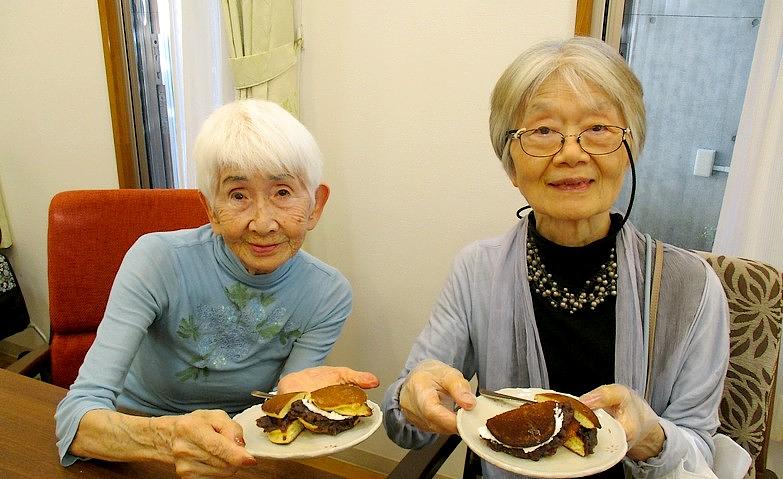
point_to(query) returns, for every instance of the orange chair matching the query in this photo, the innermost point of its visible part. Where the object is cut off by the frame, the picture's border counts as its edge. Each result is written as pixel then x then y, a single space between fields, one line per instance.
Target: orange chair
pixel 89 233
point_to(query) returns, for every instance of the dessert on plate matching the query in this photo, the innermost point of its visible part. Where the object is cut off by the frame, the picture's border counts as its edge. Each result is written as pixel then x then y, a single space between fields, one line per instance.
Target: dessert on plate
pixel 329 410
pixel 581 434
pixel 537 429
pixel 531 431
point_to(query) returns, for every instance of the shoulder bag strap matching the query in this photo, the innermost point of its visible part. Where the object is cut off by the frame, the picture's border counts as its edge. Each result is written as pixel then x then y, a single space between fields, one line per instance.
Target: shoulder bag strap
pixel 655 291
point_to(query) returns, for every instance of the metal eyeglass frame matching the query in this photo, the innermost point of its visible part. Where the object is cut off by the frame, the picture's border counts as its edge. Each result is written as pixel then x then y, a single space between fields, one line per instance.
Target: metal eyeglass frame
pixel 517 134
pixel 624 143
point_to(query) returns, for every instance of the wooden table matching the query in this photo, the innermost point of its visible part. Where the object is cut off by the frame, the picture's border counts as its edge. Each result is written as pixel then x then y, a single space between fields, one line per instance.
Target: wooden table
pixel 27 442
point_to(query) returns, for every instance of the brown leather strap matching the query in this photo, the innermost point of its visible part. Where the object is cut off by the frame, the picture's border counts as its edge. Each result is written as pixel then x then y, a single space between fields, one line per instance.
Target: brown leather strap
pixel 655 292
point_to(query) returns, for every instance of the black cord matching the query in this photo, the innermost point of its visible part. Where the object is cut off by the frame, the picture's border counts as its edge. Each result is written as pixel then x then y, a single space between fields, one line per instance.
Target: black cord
pixel 633 185
pixel 633 189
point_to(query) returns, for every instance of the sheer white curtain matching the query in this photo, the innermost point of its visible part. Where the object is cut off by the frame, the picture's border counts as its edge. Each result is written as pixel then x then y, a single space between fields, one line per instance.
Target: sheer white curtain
pixel 201 74
pixel 751 218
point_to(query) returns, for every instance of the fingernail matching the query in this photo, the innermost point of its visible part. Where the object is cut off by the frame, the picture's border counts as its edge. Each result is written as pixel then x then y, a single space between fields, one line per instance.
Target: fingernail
pixel 249 461
pixel 468 398
pixel 588 398
pixel 240 441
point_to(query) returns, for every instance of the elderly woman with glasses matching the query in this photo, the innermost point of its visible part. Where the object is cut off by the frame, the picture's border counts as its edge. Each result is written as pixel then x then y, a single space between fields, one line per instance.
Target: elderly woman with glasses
pixel 557 302
pixel 199 318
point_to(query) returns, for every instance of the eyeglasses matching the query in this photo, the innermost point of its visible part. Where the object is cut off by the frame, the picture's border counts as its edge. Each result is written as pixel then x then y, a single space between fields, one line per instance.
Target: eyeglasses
pixel 544 141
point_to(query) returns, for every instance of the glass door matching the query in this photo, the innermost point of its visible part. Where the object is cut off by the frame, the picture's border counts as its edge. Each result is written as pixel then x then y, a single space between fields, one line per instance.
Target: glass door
pixel 693 58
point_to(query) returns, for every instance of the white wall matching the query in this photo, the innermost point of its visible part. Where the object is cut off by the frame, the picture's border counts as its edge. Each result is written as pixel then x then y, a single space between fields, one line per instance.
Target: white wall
pixel 55 128
pixel 397 95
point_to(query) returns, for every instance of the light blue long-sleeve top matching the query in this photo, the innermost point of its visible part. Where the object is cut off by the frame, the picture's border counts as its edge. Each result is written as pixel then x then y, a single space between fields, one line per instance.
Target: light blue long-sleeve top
pixel 187 327
pixel 483 325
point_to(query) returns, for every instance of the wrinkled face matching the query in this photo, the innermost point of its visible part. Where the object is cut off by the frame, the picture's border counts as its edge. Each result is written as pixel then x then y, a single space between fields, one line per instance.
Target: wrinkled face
pixel 262 219
pixel 571 185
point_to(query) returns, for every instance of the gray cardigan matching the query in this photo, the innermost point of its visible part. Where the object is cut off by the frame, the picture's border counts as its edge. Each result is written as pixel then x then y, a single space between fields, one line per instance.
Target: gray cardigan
pixel 485 312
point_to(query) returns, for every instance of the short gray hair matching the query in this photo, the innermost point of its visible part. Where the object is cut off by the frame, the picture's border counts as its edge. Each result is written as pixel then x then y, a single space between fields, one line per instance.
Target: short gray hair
pixel 255 136
pixel 581 62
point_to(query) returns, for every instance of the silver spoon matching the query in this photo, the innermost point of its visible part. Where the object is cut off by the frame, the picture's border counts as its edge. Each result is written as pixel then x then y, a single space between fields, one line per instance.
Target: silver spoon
pixel 261 394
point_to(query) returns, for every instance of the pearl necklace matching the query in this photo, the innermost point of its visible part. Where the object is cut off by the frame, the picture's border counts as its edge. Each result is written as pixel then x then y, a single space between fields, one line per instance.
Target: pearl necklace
pixel 594 292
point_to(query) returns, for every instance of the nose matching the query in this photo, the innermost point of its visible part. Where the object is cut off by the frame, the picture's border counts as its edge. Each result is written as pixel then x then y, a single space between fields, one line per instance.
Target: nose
pixel 264 218
pixel 571 153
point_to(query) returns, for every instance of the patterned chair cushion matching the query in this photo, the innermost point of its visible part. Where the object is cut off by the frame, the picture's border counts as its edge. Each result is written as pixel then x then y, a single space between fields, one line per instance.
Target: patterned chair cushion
pixel 755 297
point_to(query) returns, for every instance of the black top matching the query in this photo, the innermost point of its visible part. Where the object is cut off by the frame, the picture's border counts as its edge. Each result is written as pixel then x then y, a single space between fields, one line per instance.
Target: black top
pixel 579 347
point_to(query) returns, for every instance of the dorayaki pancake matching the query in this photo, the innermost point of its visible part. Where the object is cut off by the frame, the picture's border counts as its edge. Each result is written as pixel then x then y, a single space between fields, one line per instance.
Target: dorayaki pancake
pixel 531 431
pixel 282 432
pixel 279 424
pixel 279 405
pixel 581 436
pixel 345 399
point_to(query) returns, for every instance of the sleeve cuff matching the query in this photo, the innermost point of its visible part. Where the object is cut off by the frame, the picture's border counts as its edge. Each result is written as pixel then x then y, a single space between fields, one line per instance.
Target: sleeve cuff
pixel 397 426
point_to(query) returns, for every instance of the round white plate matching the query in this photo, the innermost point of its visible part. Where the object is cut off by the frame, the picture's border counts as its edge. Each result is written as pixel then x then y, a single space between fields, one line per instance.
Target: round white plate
pixel 610 450
pixel 307 444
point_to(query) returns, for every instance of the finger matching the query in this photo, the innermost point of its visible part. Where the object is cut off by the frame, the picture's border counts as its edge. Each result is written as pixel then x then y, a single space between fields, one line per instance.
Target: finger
pixel 363 379
pixel 231 430
pixel 439 418
pixel 442 420
pixel 226 440
pixel 227 450
pixel 608 396
pixel 345 375
pixel 456 386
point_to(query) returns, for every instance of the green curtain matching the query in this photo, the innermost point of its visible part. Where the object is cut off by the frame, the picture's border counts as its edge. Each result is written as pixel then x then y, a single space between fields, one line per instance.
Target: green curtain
pixel 263 49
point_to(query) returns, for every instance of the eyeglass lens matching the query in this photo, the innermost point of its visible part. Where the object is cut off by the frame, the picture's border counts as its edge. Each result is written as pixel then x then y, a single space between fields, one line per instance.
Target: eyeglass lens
pixel 596 140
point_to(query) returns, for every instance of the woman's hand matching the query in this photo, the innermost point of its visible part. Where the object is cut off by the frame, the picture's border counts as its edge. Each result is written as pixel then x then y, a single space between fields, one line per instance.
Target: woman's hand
pixel 423 395
pixel 205 444
pixel 643 432
pixel 318 377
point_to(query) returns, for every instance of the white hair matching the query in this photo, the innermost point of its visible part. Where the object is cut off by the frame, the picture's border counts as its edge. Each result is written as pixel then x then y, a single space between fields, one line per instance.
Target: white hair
pixel 255 136
pixel 582 63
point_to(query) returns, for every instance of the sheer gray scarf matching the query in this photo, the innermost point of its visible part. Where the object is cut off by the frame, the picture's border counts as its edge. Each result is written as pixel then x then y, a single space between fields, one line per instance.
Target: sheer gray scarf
pixel 513 327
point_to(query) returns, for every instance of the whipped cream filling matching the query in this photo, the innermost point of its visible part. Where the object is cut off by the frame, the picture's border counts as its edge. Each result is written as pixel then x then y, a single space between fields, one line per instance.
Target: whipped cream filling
pixel 484 433
pixel 328 414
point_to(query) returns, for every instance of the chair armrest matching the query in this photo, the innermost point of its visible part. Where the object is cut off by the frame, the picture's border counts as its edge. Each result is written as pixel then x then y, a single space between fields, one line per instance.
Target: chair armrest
pixel 425 462
pixel 33 363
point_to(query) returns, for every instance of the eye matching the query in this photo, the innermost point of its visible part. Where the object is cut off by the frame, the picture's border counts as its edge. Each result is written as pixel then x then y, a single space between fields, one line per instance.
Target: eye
pixel 237 195
pixel 283 192
pixel 543 130
pixel 598 128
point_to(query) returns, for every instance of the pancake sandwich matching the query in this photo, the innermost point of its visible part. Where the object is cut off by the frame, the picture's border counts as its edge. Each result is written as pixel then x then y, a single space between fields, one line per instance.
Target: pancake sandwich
pixel 333 409
pixel 581 436
pixel 280 425
pixel 531 431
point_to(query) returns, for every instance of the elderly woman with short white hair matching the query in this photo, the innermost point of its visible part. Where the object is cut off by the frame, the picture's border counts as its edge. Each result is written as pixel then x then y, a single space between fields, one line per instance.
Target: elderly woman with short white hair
pixel 198 318
pixel 557 302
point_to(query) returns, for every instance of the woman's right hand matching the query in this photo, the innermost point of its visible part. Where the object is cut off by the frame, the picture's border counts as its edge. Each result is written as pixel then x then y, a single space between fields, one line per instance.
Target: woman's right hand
pixel 423 395
pixel 206 443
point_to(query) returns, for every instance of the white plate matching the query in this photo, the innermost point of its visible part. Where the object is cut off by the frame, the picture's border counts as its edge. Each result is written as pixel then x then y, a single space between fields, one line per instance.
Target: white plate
pixel 610 450
pixel 307 444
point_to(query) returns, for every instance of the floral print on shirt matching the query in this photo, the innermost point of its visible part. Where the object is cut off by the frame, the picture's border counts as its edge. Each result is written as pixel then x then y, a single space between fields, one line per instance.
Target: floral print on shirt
pixel 226 334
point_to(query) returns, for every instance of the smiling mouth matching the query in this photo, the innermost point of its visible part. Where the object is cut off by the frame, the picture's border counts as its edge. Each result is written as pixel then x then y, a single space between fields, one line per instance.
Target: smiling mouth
pixel 572 184
pixel 263 249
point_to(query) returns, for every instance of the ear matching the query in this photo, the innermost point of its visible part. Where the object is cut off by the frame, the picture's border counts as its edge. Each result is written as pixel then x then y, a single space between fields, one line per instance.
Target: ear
pixel 321 196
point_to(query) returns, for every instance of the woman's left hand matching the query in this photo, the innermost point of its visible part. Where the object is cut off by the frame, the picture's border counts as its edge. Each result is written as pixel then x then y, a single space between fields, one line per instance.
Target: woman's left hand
pixel 643 431
pixel 311 379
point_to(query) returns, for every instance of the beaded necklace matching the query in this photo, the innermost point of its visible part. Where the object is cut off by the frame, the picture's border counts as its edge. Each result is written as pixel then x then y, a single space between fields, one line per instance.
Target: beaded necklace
pixel 594 292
